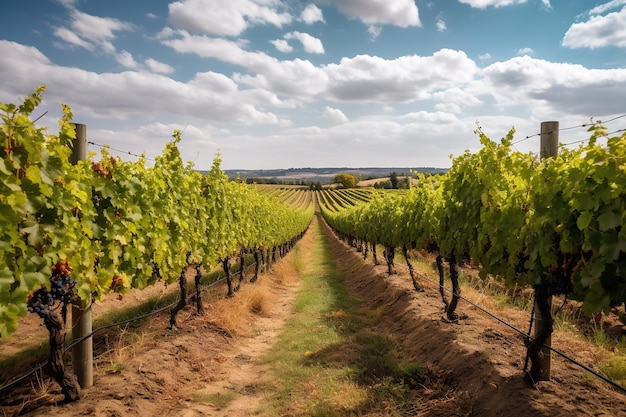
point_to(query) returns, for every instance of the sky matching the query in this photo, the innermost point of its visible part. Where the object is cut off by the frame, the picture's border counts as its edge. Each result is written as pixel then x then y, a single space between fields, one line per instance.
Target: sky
pixel 278 84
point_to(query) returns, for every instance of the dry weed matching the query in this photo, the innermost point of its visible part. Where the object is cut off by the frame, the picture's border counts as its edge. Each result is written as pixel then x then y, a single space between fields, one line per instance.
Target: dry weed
pixel 231 317
pixel 122 348
pixel 41 392
pixel 234 315
pixel 258 299
pixel 284 273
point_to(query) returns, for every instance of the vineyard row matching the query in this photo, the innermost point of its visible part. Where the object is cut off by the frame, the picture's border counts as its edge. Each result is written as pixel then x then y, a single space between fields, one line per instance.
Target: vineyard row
pixel 72 233
pixel 557 225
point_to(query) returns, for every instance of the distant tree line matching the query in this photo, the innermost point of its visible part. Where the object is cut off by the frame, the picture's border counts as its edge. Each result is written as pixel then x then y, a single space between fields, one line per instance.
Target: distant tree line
pixel 276 181
pixel 343 180
pixel 394 182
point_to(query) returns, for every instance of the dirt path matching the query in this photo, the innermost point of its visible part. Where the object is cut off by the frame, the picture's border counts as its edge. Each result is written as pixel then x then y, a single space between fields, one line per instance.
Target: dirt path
pixel 147 370
pixel 474 366
pixel 242 371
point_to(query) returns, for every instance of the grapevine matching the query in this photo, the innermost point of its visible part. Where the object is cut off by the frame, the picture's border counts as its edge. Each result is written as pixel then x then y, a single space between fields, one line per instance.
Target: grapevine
pixel 118 224
pixel 556 225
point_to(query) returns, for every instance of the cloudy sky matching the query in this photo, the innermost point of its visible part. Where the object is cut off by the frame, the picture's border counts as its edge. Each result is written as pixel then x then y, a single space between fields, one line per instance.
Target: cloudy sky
pixel 317 83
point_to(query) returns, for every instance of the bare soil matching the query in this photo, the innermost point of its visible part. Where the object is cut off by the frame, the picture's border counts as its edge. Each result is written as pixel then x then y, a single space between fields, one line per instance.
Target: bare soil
pixel 475 364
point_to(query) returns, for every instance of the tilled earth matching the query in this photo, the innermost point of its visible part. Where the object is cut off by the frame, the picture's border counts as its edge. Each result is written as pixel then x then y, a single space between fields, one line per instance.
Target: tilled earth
pixel 475 364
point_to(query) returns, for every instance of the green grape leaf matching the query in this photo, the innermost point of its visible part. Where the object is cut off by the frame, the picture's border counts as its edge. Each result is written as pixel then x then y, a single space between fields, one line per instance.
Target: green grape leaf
pixel 609 220
pixel 584 219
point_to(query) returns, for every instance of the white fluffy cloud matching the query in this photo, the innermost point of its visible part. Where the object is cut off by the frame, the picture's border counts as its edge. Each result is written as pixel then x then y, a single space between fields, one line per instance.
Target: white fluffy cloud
pixel 231 18
pixel 311 14
pixel 482 4
pixel 96 28
pixel 282 45
pixel 97 34
pixel 208 96
pixel 373 79
pixel 71 38
pixel 448 79
pixel 374 31
pixel 158 66
pixel 600 30
pixel 334 115
pixel 441 25
pixel 311 44
pixel 295 78
pixel 607 6
pixel 362 78
pixel 525 51
pixel 457 96
pixel 91 32
pixel 126 59
pixel 562 86
pixel 401 13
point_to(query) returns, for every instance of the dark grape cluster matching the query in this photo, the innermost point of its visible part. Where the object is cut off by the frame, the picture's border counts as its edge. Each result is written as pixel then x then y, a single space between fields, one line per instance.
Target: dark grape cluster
pixel 40 301
pixel 95 198
pixel 61 290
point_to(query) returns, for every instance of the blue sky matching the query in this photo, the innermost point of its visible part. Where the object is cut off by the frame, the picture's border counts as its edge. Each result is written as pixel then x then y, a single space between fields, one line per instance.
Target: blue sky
pixel 290 83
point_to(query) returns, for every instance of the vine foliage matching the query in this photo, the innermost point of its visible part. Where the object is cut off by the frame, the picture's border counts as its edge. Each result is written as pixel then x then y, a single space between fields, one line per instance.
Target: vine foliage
pixel 76 232
pixel 557 225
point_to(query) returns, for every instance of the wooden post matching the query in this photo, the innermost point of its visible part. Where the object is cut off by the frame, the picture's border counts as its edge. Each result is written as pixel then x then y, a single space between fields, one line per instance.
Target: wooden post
pixel 549 146
pixel 82 354
pixel 79 145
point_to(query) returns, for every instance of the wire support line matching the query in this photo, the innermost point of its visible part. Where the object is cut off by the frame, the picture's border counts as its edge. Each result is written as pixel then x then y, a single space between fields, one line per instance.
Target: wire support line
pixel 106 326
pixel 120 150
pixel 23 377
pixel 592 123
pixel 616 131
pixel 561 145
pixel 614 118
pixel 77 341
pixel 583 125
pixel 528 336
pixel 525 139
pixel 29 124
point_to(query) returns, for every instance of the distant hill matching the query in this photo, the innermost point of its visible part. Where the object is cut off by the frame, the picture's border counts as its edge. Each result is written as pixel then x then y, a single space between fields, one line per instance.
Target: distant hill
pixel 324 175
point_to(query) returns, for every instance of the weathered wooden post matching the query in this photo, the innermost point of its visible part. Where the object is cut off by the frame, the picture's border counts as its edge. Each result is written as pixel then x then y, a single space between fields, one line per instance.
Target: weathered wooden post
pixel 549 146
pixel 82 354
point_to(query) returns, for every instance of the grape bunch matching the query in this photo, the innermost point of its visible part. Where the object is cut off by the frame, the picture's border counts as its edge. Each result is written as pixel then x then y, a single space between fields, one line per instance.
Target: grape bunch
pixel 61 290
pixel 40 301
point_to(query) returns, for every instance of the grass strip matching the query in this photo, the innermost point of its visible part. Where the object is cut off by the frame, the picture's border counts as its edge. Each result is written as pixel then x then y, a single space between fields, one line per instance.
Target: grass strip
pixel 329 359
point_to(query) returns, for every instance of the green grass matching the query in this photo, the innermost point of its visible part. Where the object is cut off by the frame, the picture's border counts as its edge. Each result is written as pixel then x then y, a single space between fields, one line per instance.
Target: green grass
pixel 564 323
pixel 295 358
pixel 615 369
pixel 115 368
pixel 330 359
